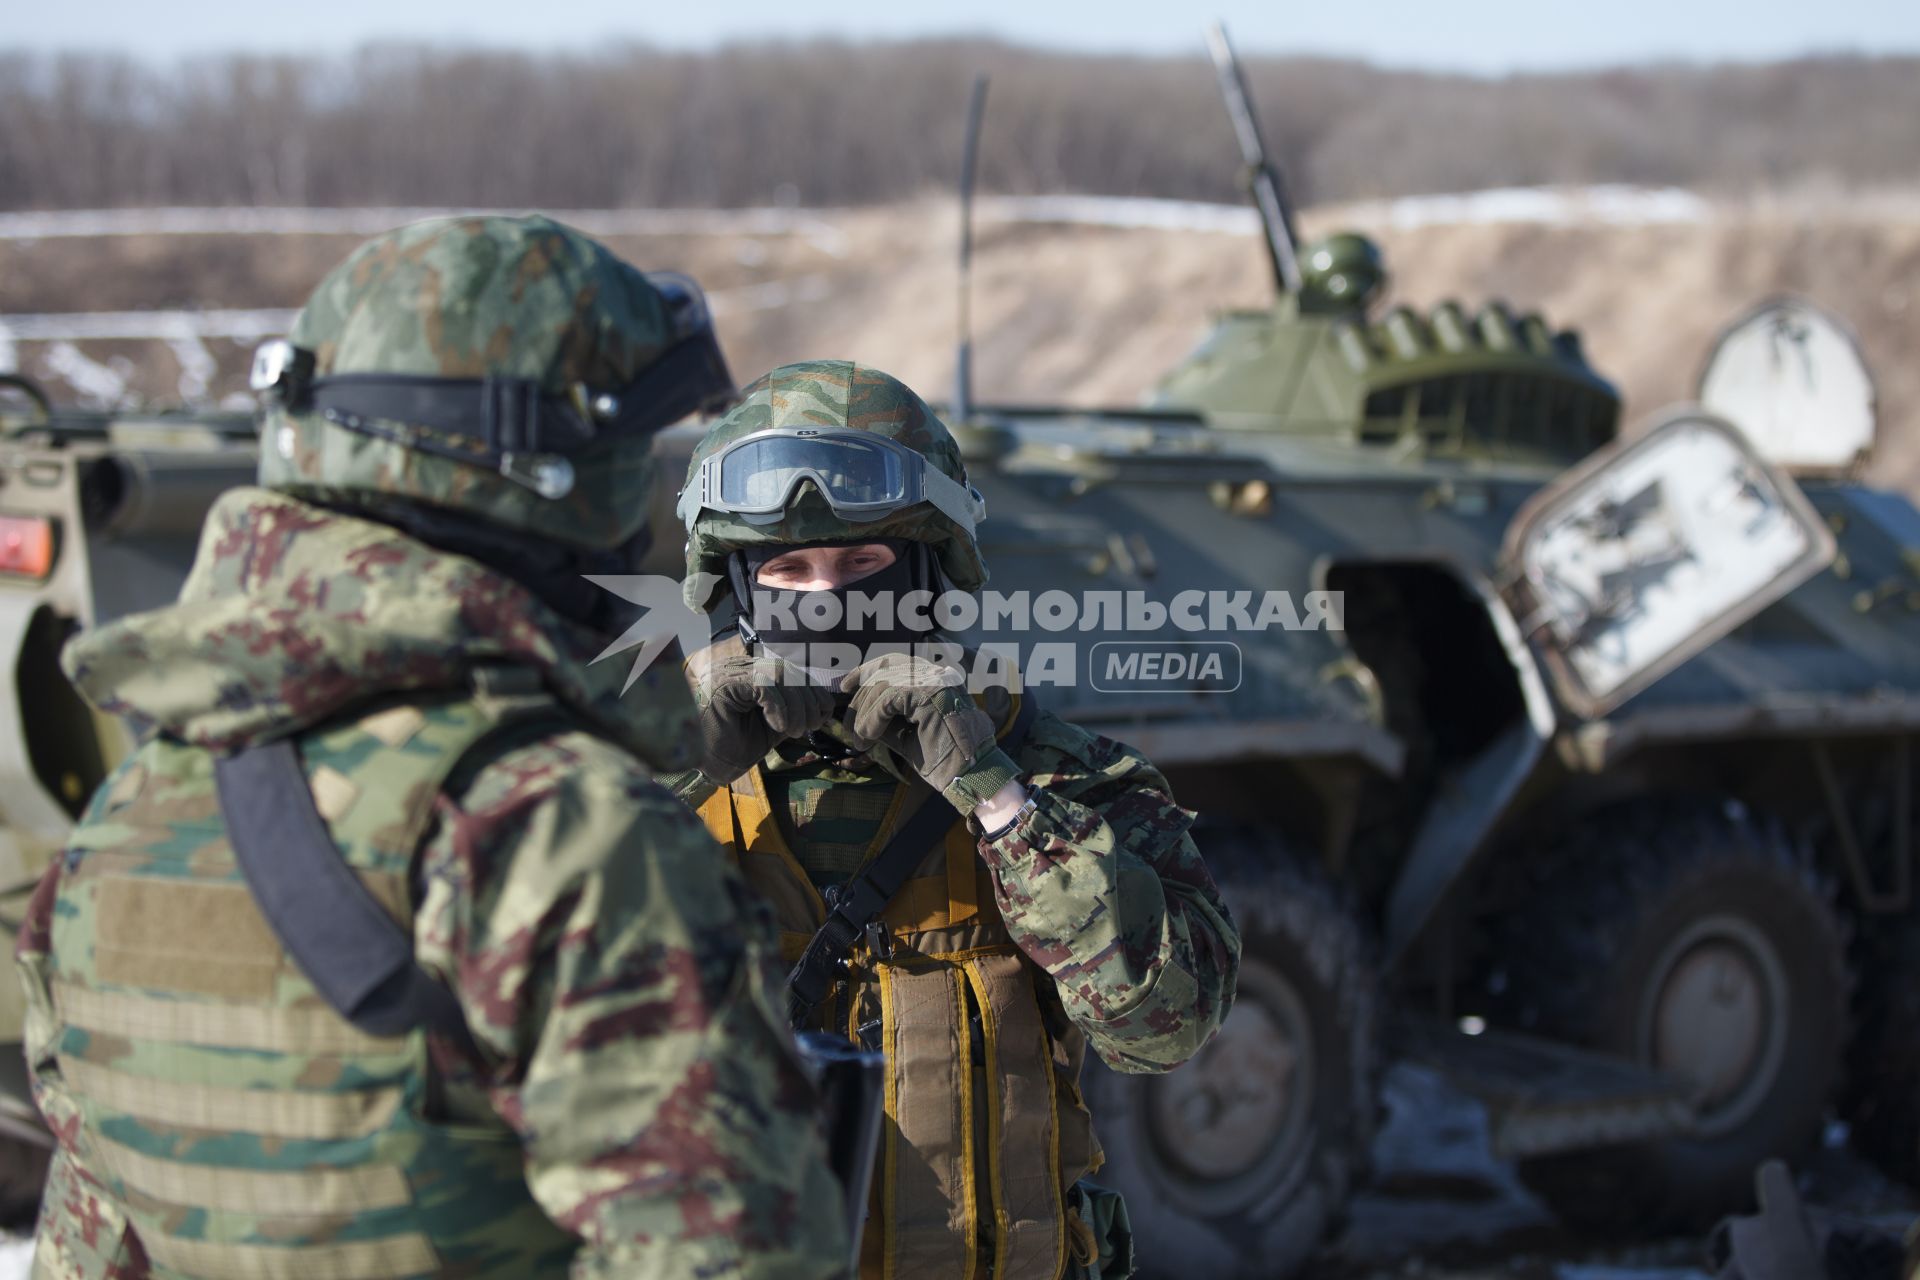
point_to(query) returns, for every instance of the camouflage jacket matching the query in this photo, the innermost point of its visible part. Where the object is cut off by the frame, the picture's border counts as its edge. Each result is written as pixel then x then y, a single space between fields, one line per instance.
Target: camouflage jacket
pixel 613 971
pixel 1098 881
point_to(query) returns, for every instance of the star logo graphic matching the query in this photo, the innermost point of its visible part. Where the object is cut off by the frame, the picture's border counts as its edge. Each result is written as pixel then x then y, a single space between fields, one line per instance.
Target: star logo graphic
pixel 664 617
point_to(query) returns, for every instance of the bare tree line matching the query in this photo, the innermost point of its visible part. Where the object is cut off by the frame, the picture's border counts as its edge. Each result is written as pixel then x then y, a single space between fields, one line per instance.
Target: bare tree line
pixel 834 123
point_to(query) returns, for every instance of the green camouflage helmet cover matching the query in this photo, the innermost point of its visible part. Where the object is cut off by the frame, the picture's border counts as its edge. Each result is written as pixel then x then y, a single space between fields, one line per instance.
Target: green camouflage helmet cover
pixel 473 297
pixel 840 394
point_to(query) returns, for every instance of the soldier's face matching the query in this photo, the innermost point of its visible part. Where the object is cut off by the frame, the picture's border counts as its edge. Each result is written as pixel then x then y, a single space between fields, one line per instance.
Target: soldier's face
pixel 823 568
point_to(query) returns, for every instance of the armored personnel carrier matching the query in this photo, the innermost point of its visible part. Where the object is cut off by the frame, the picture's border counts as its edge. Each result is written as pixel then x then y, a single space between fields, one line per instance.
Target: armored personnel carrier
pixel 1652 905
pixel 1576 767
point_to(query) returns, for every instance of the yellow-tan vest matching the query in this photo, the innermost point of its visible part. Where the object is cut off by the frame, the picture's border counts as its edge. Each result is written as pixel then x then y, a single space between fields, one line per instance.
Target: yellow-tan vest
pixel 976 1157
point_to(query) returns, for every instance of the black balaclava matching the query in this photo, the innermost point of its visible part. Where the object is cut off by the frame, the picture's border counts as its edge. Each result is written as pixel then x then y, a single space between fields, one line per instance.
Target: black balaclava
pixel 913 569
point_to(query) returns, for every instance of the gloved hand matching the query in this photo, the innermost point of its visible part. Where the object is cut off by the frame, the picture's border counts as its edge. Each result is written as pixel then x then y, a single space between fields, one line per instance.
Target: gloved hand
pixel 747 704
pixel 920 711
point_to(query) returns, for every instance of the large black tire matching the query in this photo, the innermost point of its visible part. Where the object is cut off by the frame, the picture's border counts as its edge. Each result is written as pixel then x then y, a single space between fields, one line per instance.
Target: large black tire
pixel 1695 937
pixel 1882 1097
pixel 1236 1164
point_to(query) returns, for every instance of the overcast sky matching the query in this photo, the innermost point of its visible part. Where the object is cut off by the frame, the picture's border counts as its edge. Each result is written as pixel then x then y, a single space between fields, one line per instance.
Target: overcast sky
pixel 1489 36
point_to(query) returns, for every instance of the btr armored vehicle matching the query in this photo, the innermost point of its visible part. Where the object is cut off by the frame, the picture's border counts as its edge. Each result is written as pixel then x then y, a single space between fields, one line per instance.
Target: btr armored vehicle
pixel 1653 905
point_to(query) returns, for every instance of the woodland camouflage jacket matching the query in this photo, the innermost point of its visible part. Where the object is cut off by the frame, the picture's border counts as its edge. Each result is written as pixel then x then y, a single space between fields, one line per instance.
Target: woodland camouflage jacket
pixel 632 1070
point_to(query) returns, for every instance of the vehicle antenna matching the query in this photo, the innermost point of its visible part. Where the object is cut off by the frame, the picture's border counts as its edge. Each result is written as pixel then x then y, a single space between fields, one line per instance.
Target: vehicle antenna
pixel 1261 175
pixel 969 156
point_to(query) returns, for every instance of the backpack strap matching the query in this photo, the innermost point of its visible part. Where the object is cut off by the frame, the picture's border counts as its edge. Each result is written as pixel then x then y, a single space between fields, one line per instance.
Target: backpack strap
pixel 852 906
pixel 353 950
pixel 349 946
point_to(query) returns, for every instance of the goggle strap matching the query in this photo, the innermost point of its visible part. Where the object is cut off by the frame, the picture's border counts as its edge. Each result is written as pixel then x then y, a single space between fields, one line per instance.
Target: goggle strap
pixel 960 503
pixel 514 416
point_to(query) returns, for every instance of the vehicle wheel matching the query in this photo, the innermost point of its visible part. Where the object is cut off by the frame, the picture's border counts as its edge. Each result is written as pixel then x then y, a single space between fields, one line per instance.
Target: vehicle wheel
pixel 1882 1098
pixel 1237 1163
pixel 1699 939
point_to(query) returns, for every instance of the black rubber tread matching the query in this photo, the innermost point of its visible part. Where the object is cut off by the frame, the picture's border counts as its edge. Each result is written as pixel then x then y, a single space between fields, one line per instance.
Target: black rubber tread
pixel 1881 1100
pixel 1293 918
pixel 1602 899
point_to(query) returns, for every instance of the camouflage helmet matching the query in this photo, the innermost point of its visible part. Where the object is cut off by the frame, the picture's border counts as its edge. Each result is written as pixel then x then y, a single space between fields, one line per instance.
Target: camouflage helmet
pixel 504 368
pixel 1341 272
pixel 831 395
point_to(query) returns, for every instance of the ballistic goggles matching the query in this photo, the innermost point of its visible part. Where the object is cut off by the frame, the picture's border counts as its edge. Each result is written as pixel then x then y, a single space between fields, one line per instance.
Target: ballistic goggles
pixel 863 477
pixel 512 424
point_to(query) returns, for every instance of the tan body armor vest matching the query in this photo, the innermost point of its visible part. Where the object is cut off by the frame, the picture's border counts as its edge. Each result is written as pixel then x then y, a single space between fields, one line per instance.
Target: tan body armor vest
pixel 985 1125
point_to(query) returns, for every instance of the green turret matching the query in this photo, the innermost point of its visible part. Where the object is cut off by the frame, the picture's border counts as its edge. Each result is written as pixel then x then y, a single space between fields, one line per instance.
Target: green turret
pixel 1485 385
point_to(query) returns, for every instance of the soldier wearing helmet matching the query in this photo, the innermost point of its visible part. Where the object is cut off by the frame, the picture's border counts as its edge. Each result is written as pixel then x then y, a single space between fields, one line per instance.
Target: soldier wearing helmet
pixel 1052 897
pixel 385 956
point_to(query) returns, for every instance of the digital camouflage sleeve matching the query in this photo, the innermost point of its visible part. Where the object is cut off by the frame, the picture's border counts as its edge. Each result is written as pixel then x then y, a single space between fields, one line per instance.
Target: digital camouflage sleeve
pixel 1102 886
pixel 618 977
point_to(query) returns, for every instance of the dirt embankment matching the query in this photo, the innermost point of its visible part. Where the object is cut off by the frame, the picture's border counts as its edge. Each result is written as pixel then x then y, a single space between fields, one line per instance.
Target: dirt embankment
pixel 1085 314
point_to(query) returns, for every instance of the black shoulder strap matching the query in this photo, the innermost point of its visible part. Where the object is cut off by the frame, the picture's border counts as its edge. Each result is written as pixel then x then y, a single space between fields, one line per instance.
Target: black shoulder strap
pixel 851 907
pixel 357 956
pixel 353 951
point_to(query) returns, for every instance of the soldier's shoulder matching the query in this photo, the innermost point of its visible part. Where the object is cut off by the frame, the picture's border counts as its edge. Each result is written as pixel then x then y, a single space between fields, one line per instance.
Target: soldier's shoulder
pixel 569 760
pixel 1060 746
pixel 539 820
pixel 582 801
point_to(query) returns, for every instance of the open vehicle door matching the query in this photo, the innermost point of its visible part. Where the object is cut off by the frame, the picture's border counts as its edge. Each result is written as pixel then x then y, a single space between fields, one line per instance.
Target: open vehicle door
pixel 1651 550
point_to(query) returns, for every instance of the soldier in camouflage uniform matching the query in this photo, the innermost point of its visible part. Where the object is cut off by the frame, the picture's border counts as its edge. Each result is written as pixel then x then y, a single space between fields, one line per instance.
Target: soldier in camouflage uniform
pixel 1067 904
pixel 461 425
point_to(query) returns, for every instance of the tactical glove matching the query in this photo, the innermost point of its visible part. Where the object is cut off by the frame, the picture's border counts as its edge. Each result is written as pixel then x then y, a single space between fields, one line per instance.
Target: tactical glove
pixel 920 711
pixel 747 705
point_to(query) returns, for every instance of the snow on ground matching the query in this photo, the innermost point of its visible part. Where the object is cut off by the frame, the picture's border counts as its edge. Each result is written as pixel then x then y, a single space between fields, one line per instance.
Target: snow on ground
pixel 240 221
pixel 1435 1177
pixel 1440 1205
pixel 1129 212
pixel 1612 205
pixel 16 1259
pixel 197 367
pixel 97 385
pixel 90 326
pixel 1551 206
